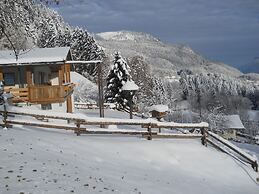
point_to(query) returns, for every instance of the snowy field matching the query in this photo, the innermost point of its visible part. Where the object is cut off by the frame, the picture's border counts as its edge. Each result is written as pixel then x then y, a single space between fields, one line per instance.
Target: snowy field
pixel 55 161
pixel 252 149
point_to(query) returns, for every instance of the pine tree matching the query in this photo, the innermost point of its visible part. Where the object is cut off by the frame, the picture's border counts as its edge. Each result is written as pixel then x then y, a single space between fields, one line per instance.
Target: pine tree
pixel 117 77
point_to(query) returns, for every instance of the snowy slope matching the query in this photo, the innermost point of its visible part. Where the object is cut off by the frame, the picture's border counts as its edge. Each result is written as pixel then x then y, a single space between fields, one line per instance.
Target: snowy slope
pixel 53 161
pixel 165 59
pixel 34 160
pixel 85 90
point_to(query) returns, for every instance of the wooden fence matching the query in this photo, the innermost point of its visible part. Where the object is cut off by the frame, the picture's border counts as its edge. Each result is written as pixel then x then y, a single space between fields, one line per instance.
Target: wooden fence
pixel 81 105
pixel 221 141
pixel 78 123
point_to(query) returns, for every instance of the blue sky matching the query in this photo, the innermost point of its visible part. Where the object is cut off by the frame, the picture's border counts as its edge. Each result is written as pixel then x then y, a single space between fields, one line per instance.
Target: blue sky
pixel 221 30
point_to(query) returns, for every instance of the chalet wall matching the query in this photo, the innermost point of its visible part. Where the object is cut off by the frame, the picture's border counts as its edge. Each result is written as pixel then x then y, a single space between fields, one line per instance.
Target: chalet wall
pixel 54 78
pixel 57 107
pixel 41 74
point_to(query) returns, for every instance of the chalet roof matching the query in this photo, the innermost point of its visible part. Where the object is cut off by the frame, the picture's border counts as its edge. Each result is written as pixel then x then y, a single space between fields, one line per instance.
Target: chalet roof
pixel 159 108
pixel 234 122
pixel 34 56
pixel 130 86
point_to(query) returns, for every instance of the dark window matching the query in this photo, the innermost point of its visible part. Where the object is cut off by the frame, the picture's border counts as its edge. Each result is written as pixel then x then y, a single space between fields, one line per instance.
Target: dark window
pixel 46 107
pixel 9 79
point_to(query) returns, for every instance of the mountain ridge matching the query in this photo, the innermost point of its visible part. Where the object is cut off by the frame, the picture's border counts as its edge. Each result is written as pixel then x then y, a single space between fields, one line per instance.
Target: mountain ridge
pixel 125 35
pixel 163 58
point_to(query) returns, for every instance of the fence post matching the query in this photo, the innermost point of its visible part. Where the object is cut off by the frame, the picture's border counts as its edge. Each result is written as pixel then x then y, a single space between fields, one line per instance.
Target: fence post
pixel 204 137
pixel 255 166
pixel 149 136
pixel 5 117
pixel 77 131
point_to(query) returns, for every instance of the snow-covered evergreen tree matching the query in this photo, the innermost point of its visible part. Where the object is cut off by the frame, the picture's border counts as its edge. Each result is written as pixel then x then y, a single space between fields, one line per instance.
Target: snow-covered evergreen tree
pixel 118 75
pixel 141 74
pixel 159 94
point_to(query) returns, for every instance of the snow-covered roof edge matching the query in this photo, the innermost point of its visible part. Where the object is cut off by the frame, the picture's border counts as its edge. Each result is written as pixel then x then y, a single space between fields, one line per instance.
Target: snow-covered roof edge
pixel 159 108
pixel 234 122
pixel 34 56
pixel 130 86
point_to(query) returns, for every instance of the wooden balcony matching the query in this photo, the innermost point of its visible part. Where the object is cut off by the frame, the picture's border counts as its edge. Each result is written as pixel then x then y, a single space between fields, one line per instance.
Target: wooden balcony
pixel 41 94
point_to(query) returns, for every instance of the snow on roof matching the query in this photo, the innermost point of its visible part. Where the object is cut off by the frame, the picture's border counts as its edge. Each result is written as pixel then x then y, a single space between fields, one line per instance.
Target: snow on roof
pixel 130 85
pixel 159 108
pixel 234 122
pixel 35 55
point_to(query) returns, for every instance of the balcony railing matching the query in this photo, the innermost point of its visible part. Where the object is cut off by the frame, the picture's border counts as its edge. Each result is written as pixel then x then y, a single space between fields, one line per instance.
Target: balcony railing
pixel 41 94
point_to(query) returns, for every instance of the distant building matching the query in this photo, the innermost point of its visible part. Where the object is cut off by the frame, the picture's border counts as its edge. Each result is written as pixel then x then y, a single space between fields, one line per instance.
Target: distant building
pixel 39 76
pixel 158 111
pixel 232 125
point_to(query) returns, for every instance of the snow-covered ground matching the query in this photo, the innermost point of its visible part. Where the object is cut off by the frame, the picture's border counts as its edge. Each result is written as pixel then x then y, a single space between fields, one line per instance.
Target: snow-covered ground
pixel 253 149
pixel 36 160
pixel 85 90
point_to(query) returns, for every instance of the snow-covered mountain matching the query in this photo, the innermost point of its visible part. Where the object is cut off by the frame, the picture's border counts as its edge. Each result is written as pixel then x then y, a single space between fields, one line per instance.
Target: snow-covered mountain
pixel 164 59
pixel 126 35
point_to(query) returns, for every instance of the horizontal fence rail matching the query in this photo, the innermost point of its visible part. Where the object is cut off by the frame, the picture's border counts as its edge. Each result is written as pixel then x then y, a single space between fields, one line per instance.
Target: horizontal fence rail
pixel 252 160
pixel 80 119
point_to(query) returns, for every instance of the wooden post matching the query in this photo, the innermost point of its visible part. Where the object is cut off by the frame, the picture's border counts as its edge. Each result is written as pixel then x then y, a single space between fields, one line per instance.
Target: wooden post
pixel 159 129
pixel 131 106
pixel 149 136
pixel 204 137
pixel 67 72
pixel 67 80
pixel 69 104
pixel 100 90
pixel 77 131
pixel 61 75
pixel 255 166
pixel 5 117
pixel 1 74
pixel 28 76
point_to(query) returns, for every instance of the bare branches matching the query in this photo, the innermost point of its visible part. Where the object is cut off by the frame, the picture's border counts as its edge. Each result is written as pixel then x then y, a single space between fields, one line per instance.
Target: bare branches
pixel 16 53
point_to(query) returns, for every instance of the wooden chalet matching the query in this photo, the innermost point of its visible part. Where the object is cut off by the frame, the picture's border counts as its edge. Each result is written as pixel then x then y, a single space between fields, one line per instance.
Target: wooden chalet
pixel 158 111
pixel 233 124
pixel 40 76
